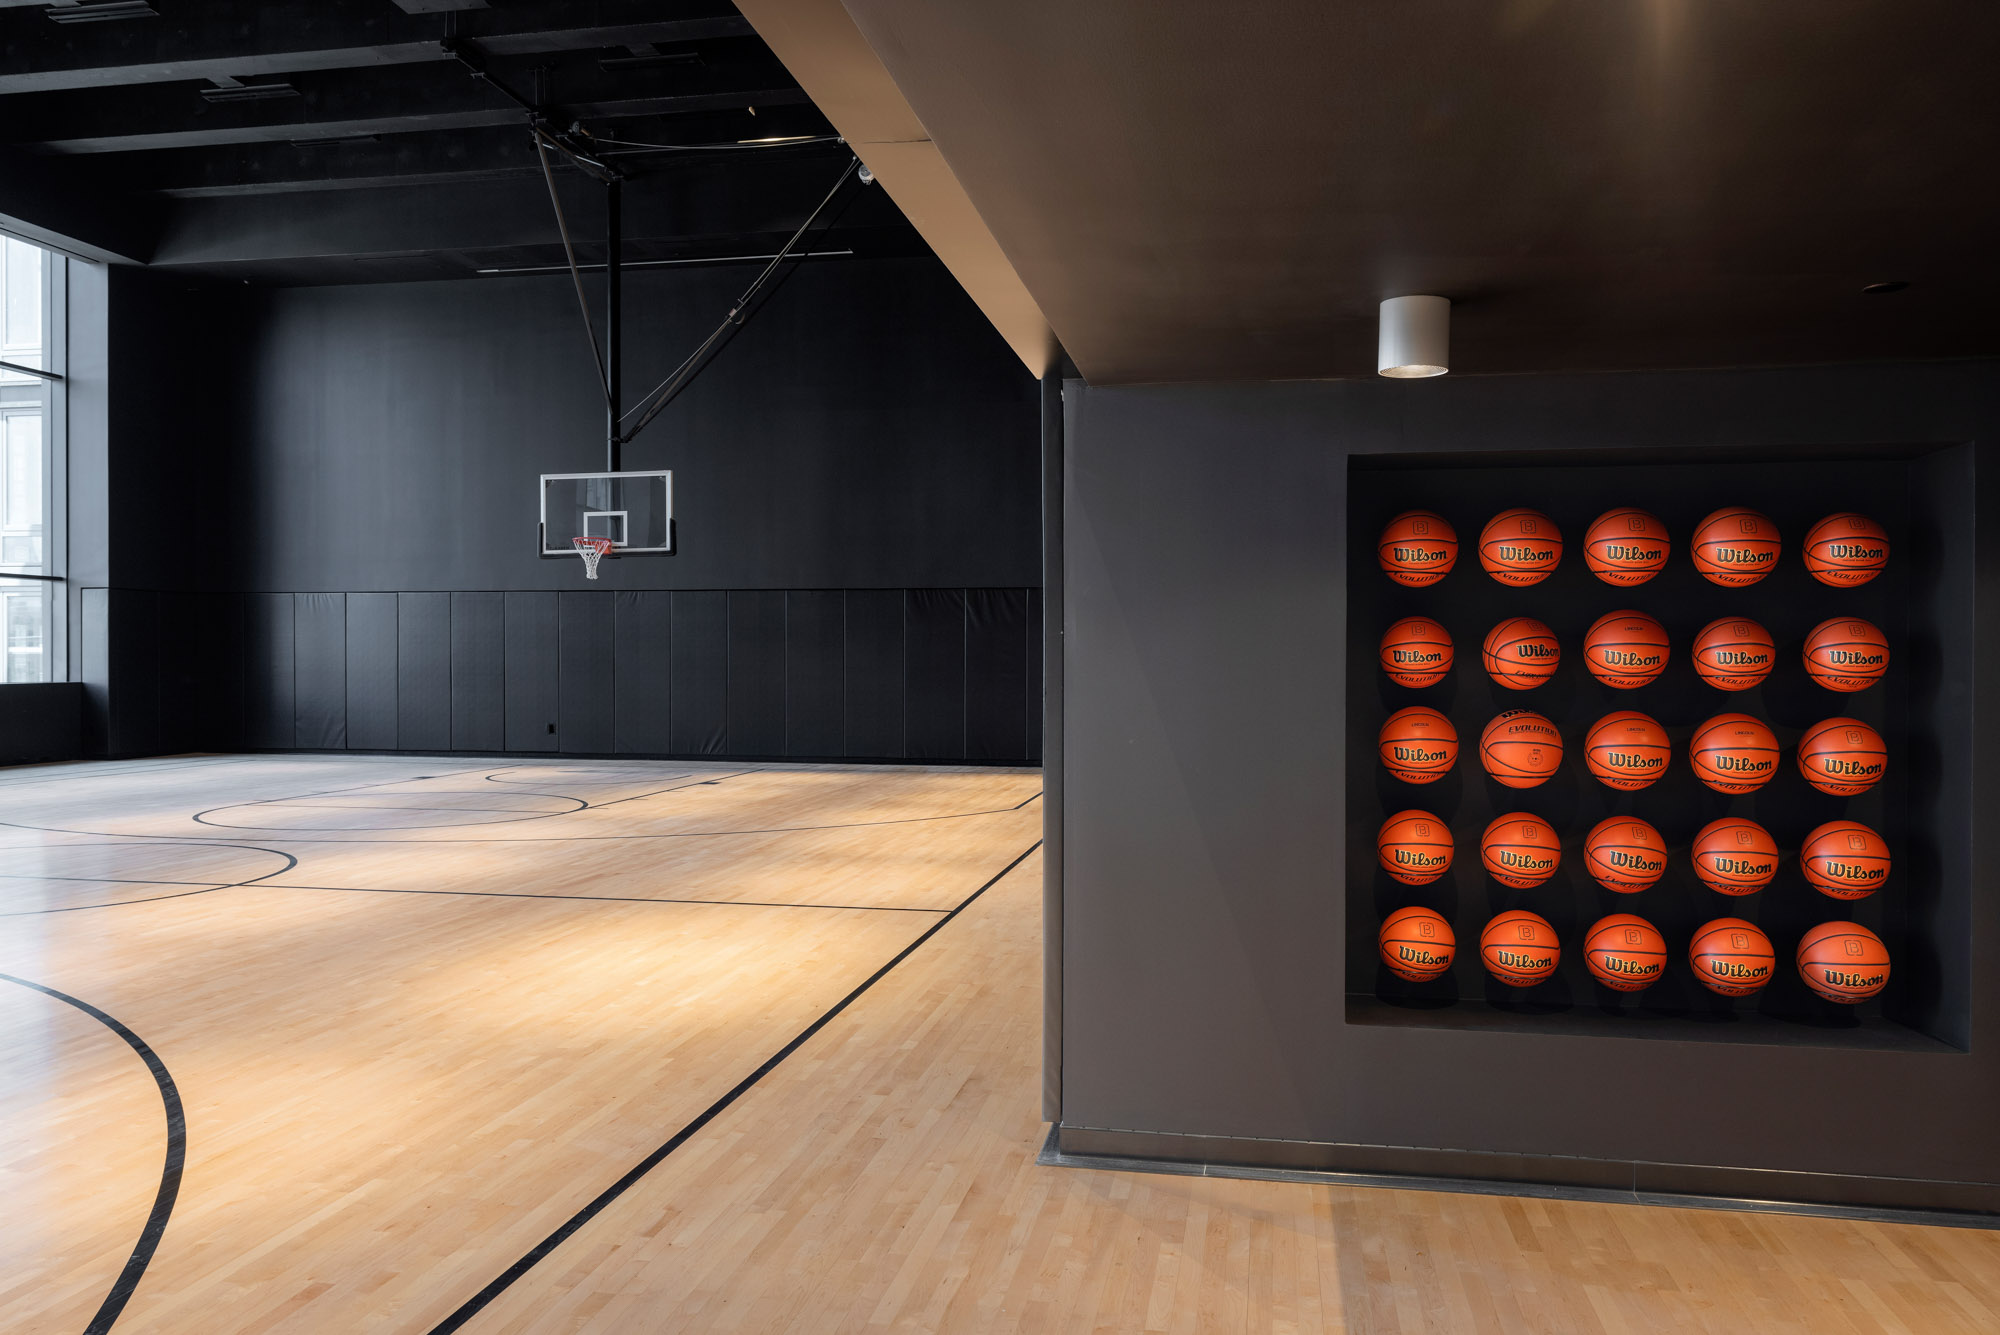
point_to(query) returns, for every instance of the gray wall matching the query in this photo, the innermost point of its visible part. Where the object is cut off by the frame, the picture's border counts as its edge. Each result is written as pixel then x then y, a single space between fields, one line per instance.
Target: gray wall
pixel 1204 835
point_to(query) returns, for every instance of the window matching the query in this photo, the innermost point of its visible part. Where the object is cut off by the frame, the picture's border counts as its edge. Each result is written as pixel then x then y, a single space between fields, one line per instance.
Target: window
pixel 30 584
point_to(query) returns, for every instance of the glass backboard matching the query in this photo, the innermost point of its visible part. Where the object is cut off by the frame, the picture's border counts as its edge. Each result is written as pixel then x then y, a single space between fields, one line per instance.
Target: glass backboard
pixel 634 510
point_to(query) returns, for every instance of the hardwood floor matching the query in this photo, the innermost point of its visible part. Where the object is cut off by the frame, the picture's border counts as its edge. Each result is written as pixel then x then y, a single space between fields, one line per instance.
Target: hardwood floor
pixel 420 1013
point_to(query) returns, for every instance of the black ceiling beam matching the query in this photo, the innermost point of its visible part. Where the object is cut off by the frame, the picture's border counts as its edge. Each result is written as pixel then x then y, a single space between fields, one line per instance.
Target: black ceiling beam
pixel 251 169
pixel 73 208
pixel 676 207
pixel 334 104
pixel 248 39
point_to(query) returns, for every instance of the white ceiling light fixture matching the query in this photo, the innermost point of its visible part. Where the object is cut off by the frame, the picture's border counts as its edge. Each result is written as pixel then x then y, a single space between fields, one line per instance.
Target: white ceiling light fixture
pixel 1415 339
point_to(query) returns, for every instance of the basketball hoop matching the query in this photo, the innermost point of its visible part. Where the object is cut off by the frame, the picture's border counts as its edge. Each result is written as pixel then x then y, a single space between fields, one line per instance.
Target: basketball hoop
pixel 592 551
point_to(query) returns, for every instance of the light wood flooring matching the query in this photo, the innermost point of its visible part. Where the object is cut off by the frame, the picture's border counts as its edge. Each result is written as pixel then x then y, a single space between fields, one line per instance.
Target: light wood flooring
pixel 421 1013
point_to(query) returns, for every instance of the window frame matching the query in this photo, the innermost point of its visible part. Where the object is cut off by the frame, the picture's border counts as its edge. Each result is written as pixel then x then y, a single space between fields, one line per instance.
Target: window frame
pixel 52 577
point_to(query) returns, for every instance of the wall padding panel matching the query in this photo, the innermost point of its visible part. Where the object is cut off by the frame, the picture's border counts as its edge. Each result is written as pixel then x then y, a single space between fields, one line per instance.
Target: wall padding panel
pixel 996 674
pixel 642 659
pixel 701 672
pixel 587 673
pixel 533 702
pixel 371 671
pixel 320 705
pixel 815 676
pixel 267 669
pixel 874 673
pixel 757 672
pixel 934 674
pixel 423 671
pixel 478 672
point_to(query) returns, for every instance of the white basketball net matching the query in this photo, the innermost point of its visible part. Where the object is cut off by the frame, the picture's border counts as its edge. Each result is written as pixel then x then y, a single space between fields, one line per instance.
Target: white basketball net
pixel 592 550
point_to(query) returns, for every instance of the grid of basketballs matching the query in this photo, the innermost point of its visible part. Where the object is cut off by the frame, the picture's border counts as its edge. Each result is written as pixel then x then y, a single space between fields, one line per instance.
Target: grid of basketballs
pixel 1731 753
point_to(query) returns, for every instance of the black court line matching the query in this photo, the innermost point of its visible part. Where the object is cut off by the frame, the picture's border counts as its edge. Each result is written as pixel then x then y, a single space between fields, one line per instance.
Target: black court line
pixel 290 863
pixel 303 836
pixel 128 1279
pixel 478 1301
pixel 599 899
pixel 517 817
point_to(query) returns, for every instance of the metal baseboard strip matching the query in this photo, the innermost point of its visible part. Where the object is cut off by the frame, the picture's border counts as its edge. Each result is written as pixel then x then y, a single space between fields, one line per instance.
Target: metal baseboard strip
pixel 1053 1155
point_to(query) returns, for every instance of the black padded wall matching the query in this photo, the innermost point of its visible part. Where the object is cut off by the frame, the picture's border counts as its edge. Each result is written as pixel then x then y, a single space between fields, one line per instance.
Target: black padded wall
pixel 813 674
pixel 1204 869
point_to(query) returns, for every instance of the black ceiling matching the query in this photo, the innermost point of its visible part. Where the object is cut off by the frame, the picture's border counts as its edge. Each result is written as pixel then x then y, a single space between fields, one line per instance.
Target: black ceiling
pixel 1201 191
pixel 353 140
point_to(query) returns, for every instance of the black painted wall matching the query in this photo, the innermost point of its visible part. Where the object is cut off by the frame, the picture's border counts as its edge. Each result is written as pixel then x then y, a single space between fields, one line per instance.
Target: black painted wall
pixel 1205 741
pixel 321 523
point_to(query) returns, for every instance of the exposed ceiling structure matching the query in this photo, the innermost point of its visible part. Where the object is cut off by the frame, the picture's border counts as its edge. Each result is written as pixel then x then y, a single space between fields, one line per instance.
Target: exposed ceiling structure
pixel 1194 191
pixel 361 140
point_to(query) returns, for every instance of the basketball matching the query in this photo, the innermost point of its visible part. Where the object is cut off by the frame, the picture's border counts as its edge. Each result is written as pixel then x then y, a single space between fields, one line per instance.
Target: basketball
pixel 1844 859
pixel 1846 549
pixel 1520 850
pixel 1521 653
pixel 1733 753
pixel 1626 546
pixel 1734 856
pixel 1735 547
pixel 1732 957
pixel 1733 654
pixel 1415 847
pixel 1416 651
pixel 1417 944
pixel 1843 961
pixel 1626 749
pixel 1846 654
pixel 1417 548
pixel 1520 547
pixel 1519 948
pixel 1418 745
pixel 1625 952
pixel 1520 749
pixel 1842 756
pixel 1625 854
pixel 1625 649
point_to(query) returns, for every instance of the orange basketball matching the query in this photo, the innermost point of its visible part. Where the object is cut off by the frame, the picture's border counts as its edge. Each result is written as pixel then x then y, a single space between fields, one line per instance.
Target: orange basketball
pixel 1520 849
pixel 1844 859
pixel 1735 547
pixel 1734 856
pixel 1626 749
pixel 1842 756
pixel 1625 952
pixel 1521 653
pixel 1846 549
pixel 1625 854
pixel 1414 846
pixel 1417 548
pixel 1843 961
pixel 1519 948
pixel 1520 547
pixel 1732 957
pixel 1625 649
pixel 1846 654
pixel 1521 749
pixel 1733 654
pixel 1626 546
pixel 1417 944
pixel 1416 651
pixel 1418 745
pixel 1733 753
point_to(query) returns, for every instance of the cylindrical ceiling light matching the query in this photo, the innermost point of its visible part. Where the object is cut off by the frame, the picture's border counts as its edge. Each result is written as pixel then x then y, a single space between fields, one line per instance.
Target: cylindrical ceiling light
pixel 1415 340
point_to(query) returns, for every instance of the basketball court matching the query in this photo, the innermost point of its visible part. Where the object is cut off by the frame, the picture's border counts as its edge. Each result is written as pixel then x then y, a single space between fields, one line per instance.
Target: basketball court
pixel 806 667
